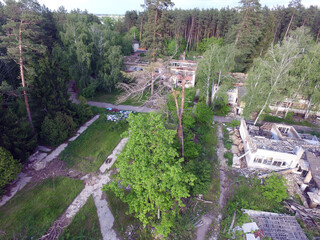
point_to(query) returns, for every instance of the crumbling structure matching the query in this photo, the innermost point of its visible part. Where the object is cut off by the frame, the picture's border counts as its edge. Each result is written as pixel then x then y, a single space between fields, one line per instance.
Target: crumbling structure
pixel 277 226
pixel 183 69
pixel 280 147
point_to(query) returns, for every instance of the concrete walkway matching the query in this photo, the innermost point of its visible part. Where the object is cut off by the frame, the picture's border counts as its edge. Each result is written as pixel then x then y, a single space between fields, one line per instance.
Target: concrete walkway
pixel 121 107
pixel 39 162
pixel 93 185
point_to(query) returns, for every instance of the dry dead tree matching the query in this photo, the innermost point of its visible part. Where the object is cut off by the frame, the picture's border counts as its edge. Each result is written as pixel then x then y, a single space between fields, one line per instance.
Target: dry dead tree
pixel 55 230
pixel 159 84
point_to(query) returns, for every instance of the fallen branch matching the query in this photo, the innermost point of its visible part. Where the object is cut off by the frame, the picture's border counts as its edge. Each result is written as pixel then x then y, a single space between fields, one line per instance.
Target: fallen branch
pixel 233 220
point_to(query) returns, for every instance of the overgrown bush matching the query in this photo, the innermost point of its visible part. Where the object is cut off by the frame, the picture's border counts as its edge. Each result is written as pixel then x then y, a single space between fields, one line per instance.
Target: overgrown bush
pixel 228 145
pixel 221 107
pixel 235 123
pixel 56 130
pixel 188 120
pixel 82 111
pixel 247 195
pixel 202 169
pixel 9 167
pixel 275 188
pixel 228 155
pixel 203 113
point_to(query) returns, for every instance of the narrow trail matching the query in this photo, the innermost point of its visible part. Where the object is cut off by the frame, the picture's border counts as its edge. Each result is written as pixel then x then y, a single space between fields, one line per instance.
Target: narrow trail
pixel 93 185
pixel 215 216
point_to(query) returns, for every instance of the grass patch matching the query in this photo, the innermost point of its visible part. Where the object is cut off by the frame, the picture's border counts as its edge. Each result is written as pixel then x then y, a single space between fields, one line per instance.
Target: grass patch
pixel 288 120
pixel 88 152
pixel 85 224
pixel 213 192
pixel 124 222
pixel 229 156
pixel 112 98
pixel 32 211
pixel 248 194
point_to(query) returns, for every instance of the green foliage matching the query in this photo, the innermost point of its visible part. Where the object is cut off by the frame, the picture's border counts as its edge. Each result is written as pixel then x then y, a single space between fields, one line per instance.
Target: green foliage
pixel 94 54
pixel 191 148
pixel 188 120
pixel 149 165
pixel 275 189
pixel 203 170
pixel 9 167
pixel 203 113
pixel 275 119
pixel 85 225
pixel 15 133
pixel 205 43
pixel 30 213
pixel 235 123
pixel 176 47
pixel 221 107
pixel 227 145
pixel 247 195
pixel 228 155
pixel 56 130
pixel 82 111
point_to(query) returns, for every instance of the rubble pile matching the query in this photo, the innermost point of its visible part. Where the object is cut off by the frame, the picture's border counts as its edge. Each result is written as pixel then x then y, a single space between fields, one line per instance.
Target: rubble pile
pixel 116 115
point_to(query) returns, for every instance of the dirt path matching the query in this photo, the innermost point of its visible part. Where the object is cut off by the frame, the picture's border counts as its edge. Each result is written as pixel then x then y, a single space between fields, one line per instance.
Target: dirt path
pixel 215 216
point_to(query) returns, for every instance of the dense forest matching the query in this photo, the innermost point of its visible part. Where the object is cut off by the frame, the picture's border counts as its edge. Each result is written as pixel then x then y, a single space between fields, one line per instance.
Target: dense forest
pixel 252 27
pixel 45 53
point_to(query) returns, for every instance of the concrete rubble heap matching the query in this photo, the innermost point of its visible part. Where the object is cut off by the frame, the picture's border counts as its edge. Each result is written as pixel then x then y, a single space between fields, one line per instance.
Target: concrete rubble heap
pixel 280 148
pixel 276 226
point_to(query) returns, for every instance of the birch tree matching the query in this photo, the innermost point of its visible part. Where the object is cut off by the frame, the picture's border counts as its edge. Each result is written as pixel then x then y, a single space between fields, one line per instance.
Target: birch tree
pixel 214 67
pixel 271 74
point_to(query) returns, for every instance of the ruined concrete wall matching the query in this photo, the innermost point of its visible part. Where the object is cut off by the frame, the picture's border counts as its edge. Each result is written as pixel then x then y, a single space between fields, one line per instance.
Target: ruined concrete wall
pixel 294 110
pixel 291 160
pixel 247 142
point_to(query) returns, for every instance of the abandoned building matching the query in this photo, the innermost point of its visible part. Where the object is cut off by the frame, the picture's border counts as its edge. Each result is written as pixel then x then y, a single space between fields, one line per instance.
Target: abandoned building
pixel 298 105
pixel 273 225
pixel 279 147
pixel 275 146
pixel 183 69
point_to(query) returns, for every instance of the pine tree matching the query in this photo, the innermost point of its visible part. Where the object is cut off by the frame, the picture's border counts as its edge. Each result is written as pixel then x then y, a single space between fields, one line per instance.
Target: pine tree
pixel 21 38
pixel 155 34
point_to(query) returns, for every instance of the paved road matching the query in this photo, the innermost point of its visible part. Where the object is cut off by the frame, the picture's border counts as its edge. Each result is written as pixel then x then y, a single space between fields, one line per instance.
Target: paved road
pixel 121 107
pixel 73 98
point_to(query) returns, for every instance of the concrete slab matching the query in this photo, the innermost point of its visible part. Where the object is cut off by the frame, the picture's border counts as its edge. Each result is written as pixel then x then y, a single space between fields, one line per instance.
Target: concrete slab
pixel 249 227
pixel 113 156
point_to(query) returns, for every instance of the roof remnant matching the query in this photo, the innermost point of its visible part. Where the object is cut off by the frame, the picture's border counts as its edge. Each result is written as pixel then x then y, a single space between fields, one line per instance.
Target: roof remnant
pixel 314 163
pixel 277 226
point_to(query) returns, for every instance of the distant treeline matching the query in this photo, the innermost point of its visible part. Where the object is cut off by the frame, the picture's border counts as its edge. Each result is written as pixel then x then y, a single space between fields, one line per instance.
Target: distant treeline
pixel 261 25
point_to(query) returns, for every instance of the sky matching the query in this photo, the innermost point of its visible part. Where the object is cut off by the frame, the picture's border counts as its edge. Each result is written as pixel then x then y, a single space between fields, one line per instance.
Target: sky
pixel 121 6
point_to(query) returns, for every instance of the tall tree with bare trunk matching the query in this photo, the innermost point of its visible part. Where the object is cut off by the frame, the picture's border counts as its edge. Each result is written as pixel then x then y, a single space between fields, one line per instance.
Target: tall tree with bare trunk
pixel 21 38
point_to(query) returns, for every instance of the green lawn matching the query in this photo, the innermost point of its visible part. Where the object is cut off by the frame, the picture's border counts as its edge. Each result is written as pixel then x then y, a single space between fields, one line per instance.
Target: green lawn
pixel 85 224
pixel 88 152
pixel 31 212
pixel 112 98
pixel 122 221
